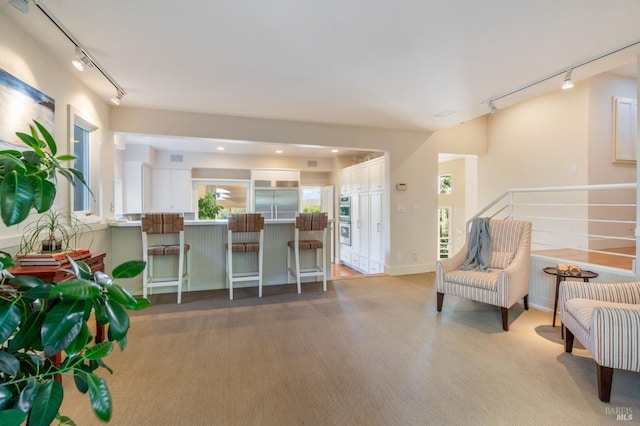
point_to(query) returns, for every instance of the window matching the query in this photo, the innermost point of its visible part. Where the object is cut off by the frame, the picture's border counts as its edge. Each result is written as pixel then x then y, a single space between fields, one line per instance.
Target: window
pixel 81 200
pixel 228 197
pixel 311 199
pixel 82 139
pixel 444 231
pixel 445 184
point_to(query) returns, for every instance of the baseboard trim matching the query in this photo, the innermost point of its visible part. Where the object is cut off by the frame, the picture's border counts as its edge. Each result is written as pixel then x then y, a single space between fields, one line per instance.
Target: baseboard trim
pixel 409 269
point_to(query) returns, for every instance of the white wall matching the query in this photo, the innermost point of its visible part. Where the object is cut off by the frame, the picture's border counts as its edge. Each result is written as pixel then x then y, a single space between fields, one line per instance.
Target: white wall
pixel 26 60
pixel 602 169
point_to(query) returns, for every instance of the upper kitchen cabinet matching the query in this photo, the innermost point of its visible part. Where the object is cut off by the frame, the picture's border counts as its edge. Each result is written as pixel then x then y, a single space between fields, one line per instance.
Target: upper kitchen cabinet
pixel 345 181
pixel 171 190
pixel 360 178
pixel 137 192
pixel 376 174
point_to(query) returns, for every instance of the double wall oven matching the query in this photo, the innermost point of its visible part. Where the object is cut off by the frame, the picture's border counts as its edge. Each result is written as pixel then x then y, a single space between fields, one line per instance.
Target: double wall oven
pixel 345 220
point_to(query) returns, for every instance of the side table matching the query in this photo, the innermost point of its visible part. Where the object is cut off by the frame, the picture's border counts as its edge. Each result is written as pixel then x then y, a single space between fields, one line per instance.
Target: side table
pixel 561 276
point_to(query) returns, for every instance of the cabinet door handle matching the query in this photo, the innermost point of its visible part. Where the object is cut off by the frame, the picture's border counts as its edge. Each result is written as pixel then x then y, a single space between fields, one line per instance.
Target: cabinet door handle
pixel 276 212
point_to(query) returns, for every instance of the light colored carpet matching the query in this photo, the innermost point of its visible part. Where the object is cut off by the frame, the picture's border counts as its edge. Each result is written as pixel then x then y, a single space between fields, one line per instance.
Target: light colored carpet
pixel 369 351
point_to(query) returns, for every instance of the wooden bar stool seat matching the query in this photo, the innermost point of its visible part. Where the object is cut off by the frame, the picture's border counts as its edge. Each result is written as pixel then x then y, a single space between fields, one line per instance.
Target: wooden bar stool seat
pixel 242 232
pixel 164 229
pixel 308 222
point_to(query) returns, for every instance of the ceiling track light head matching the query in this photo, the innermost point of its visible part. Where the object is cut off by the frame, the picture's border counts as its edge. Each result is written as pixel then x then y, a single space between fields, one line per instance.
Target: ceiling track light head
pixel 568 83
pixel 492 107
pixel 82 60
pixel 118 97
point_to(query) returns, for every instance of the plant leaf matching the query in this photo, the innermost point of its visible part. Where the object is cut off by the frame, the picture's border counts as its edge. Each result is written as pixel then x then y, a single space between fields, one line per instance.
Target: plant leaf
pixel 141 304
pixel 27 396
pixel 76 289
pixel 28 333
pixel 40 292
pixel 12 417
pixel 47 403
pixel 26 282
pixel 16 198
pixel 9 364
pixel 31 142
pixel 10 318
pixel 5 397
pixel 118 320
pixel 79 343
pixel 44 192
pixel 61 325
pixel 102 279
pixel 80 377
pixel 99 396
pixel 122 296
pixel 6 261
pixel 129 269
pixel 9 162
pixel 65 157
pixel 99 351
pixel 51 143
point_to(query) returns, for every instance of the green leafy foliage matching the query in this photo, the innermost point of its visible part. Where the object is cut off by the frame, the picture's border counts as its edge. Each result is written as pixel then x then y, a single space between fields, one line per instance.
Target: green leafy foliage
pixel 27 177
pixel 38 319
pixel 207 206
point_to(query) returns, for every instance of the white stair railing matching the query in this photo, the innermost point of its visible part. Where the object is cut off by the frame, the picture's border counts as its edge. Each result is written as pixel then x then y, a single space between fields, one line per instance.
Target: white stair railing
pixel 586 219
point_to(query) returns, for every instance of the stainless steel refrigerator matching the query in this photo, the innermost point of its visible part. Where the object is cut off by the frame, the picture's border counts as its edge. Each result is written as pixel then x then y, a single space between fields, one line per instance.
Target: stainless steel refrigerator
pixel 277 203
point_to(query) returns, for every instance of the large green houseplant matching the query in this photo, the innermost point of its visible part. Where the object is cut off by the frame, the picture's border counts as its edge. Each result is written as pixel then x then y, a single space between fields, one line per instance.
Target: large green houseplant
pixel 38 319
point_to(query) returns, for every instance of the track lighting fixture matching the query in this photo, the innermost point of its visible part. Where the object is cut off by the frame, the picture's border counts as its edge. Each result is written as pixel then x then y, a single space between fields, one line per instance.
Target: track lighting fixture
pixel 81 60
pixel 117 98
pixel 568 83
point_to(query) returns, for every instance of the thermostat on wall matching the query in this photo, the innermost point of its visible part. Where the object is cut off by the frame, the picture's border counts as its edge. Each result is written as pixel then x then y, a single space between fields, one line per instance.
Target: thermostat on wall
pixel 401 186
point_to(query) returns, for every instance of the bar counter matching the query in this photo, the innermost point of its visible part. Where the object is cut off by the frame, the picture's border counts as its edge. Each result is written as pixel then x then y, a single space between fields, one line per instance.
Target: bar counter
pixel 207 240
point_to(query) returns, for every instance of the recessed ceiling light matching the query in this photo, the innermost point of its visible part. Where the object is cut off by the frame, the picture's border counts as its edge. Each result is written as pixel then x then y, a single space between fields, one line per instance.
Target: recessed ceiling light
pixel 220 148
pixel 279 151
pixel 335 150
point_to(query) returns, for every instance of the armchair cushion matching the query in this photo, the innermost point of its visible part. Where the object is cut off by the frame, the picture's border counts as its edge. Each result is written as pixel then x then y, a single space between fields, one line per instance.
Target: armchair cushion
pixel 501 259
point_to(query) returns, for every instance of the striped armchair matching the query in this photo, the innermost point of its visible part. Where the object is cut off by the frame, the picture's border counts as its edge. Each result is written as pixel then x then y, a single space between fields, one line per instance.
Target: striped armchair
pixel 508 279
pixel 606 320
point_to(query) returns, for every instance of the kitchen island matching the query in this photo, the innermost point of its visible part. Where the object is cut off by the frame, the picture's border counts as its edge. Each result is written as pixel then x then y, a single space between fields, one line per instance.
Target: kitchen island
pixel 207 239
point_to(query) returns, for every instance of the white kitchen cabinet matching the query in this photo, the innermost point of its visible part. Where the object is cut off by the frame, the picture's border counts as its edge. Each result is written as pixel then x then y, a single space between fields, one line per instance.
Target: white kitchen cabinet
pixel 136 187
pixel 345 181
pixel 376 174
pixel 376 234
pixel 171 190
pixel 365 183
pixel 359 178
pixel 360 231
pixel 132 187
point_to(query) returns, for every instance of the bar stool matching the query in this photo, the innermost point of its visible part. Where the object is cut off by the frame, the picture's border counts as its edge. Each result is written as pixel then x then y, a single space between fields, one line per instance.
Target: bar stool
pixel 168 225
pixel 309 222
pixel 241 238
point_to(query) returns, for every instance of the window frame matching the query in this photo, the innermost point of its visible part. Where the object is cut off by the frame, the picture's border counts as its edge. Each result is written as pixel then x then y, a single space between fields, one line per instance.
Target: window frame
pixel 75 117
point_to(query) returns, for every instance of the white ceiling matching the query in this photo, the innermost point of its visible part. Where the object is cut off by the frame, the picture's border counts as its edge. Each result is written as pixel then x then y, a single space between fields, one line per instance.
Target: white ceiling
pixel 379 63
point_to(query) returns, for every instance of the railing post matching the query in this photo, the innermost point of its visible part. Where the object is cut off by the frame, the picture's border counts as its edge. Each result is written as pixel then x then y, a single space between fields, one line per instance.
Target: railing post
pixel 510 204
